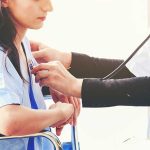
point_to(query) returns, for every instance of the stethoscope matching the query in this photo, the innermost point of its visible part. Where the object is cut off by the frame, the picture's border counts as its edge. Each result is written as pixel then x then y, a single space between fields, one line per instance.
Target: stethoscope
pixel 110 75
pixel 120 67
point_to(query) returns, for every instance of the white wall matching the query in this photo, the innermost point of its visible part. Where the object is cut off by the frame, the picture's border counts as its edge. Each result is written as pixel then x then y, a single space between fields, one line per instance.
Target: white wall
pixel 109 28
pixel 104 28
pixel 148 2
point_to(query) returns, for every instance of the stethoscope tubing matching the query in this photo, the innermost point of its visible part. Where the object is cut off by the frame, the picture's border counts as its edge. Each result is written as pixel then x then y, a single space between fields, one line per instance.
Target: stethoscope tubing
pixel 120 67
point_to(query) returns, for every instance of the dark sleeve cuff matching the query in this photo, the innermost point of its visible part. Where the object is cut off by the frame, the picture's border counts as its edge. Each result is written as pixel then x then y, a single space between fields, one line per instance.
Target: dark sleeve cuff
pixel 78 63
pixel 96 94
pixel 104 93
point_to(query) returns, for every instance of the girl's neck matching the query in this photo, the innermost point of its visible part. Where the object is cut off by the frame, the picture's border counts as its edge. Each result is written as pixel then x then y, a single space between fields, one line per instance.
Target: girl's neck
pixel 19 37
pixel 18 40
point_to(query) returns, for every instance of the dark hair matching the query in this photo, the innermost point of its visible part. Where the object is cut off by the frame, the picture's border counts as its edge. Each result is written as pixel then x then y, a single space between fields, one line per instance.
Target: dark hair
pixel 7 36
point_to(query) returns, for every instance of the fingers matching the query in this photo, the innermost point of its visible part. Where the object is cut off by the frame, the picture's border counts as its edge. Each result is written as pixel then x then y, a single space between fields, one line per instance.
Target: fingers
pixel 78 103
pixel 74 101
pixel 54 95
pixel 34 45
pixel 38 54
pixel 41 75
pixel 42 66
pixel 73 118
pixel 52 106
pixel 57 96
pixel 53 65
pixel 77 106
pixel 59 130
pixel 60 124
pixel 71 100
pixel 37 46
pixel 42 72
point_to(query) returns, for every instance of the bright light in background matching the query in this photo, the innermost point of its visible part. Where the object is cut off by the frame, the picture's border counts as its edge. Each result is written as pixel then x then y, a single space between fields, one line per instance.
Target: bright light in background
pixel 109 28
pixel 103 28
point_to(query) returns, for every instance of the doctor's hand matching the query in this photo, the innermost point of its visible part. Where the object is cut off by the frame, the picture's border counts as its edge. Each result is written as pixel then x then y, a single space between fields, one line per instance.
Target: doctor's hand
pixel 55 76
pixel 43 53
pixel 57 96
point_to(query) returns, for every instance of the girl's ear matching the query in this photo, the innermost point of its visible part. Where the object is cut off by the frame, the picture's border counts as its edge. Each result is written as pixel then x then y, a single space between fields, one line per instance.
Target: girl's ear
pixel 4 3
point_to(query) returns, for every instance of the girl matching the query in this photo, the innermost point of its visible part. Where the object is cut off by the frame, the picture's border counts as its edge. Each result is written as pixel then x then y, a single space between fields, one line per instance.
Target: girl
pixel 21 101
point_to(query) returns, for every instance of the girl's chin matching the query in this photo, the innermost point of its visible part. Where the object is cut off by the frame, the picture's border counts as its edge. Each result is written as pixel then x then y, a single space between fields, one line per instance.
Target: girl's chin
pixel 36 27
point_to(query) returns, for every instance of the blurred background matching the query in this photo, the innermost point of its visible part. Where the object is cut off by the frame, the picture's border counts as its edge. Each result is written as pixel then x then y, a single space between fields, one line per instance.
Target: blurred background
pixel 101 28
